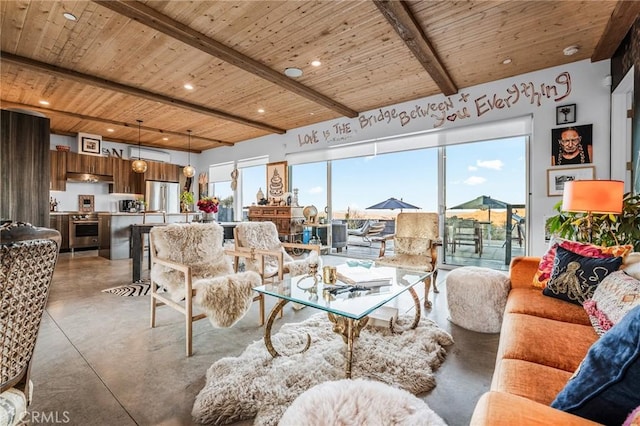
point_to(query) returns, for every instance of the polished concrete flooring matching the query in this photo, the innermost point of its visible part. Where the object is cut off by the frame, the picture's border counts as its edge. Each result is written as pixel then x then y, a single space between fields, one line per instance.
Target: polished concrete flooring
pixel 97 361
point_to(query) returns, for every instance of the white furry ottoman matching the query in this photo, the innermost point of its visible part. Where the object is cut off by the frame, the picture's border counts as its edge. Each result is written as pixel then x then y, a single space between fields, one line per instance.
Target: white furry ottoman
pixel 476 298
pixel 358 402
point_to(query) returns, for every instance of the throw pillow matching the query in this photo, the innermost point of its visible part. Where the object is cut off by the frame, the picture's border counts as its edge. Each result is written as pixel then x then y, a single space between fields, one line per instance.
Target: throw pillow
pixel 545 267
pixel 616 295
pixel 574 277
pixel 633 419
pixel 606 386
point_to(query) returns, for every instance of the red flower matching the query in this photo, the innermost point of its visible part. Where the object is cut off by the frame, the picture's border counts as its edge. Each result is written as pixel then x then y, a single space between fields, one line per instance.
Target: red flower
pixel 208 204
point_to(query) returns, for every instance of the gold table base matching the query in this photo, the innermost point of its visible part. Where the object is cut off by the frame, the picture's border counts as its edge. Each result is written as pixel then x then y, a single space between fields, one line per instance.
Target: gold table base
pixel 348 328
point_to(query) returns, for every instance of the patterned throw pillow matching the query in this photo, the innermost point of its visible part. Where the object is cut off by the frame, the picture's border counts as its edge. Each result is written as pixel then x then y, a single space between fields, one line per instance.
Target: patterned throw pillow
pixel 616 295
pixel 574 278
pixel 543 274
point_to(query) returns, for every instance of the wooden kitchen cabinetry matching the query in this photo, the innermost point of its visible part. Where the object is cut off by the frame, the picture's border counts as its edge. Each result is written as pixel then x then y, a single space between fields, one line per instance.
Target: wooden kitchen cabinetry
pixel 78 163
pixel 60 222
pixel 162 171
pixel 125 180
pixel 58 172
pixel 288 220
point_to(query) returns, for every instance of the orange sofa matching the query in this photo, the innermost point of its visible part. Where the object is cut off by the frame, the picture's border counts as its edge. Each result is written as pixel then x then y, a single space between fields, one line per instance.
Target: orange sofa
pixel 542 342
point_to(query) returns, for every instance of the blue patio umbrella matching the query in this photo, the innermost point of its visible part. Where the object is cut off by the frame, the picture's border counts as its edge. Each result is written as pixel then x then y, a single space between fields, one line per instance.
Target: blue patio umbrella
pixel 392 203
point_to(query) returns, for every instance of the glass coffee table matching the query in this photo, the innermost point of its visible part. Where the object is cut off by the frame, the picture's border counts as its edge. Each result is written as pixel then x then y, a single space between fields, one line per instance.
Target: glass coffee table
pixel 347 304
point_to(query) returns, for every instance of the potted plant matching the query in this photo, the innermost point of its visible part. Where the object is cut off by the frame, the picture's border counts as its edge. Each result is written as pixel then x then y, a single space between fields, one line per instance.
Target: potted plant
pixel 186 201
pixel 606 229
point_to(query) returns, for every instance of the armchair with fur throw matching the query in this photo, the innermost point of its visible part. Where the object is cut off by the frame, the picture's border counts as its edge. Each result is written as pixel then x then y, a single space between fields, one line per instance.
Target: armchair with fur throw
pixel 188 260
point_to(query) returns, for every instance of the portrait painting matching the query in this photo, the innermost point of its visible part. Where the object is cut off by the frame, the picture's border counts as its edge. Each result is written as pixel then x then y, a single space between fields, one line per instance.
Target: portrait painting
pixel 572 145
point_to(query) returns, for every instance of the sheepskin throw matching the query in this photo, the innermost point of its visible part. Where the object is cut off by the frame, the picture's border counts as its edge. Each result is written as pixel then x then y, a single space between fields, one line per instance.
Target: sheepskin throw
pixel 358 402
pixel 226 299
pixel 198 245
pixel 257 385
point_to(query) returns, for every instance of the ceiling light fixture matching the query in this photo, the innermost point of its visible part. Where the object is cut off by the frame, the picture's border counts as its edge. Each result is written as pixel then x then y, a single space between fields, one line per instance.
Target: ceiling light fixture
pixel 261 110
pixel 70 16
pixel 189 171
pixel 188 86
pixel 293 72
pixel 139 166
pixel 570 50
pixel 110 130
pixel 507 61
pixel 165 139
pixel 43 102
pixel 316 63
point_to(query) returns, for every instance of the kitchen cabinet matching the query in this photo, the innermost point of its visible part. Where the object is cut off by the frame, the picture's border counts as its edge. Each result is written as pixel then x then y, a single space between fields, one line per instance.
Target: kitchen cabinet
pixel 125 180
pixel 60 222
pixel 78 163
pixel 162 171
pixel 58 172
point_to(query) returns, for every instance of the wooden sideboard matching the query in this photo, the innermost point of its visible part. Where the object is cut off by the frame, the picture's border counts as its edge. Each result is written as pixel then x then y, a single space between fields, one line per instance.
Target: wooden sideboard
pixel 288 220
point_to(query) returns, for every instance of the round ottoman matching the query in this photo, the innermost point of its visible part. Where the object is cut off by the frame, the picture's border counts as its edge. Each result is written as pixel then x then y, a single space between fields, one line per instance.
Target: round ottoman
pixel 358 402
pixel 476 298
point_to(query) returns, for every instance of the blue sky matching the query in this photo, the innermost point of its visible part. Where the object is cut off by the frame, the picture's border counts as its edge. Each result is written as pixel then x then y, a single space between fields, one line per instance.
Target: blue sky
pixel 493 168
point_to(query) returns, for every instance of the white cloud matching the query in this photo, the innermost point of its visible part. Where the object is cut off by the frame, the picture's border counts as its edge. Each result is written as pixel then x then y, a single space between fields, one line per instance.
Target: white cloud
pixel 474 180
pixel 316 190
pixel 472 168
pixel 490 164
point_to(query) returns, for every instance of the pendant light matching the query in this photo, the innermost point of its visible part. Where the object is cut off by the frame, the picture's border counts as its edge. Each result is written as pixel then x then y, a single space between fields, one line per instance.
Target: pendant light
pixel 139 166
pixel 189 171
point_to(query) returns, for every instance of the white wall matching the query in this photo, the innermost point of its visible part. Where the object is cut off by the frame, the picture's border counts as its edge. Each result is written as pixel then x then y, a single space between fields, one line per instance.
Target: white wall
pixel 104 201
pixel 470 106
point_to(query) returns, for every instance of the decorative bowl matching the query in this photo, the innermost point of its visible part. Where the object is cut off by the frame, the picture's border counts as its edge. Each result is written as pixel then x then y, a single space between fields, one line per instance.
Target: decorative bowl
pixel 64 148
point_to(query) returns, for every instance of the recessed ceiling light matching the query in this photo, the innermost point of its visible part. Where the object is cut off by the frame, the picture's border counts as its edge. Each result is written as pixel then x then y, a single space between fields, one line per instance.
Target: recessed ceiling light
pixel 570 50
pixel 188 86
pixel 70 16
pixel 110 130
pixel 261 110
pixel 43 102
pixel 316 63
pixel 507 61
pixel 293 72
pixel 165 139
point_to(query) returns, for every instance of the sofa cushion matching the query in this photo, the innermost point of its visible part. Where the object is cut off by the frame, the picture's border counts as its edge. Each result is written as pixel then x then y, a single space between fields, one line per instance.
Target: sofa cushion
pixel 606 388
pixel 531 301
pixel 552 343
pixel 545 266
pixel 616 295
pixel 574 277
pixel 519 377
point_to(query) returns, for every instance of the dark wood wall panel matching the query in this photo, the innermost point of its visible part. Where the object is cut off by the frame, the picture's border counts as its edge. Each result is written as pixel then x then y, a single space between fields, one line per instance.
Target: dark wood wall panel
pixel 24 157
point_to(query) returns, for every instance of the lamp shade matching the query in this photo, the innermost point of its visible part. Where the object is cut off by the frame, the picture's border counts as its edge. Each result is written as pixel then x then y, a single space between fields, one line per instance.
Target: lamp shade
pixel 593 196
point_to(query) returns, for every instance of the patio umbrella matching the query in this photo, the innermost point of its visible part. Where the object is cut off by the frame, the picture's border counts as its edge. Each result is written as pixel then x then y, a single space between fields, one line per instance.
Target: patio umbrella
pixel 393 203
pixel 483 202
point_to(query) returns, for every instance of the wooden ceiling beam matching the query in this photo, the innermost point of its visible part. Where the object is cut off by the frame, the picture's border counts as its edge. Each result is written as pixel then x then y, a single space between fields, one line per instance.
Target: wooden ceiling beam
pixel 9 104
pixel 150 17
pixel 622 18
pixel 133 91
pixel 404 22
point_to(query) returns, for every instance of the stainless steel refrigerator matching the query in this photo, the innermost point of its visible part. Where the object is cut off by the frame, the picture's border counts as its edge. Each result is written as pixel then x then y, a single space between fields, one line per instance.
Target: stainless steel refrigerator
pixel 163 196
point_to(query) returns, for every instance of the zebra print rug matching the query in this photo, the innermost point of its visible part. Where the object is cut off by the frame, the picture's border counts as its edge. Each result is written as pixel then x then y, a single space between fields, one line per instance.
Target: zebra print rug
pixel 140 288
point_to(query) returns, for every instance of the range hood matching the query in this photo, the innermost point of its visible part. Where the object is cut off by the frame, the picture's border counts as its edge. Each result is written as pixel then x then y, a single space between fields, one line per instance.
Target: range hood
pixel 88 178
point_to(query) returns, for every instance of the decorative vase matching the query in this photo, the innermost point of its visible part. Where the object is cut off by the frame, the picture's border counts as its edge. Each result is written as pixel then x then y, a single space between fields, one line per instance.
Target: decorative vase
pixel 208 217
pixel 259 195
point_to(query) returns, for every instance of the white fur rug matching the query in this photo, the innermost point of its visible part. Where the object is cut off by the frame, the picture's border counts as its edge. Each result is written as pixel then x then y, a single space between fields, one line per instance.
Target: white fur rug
pixel 257 385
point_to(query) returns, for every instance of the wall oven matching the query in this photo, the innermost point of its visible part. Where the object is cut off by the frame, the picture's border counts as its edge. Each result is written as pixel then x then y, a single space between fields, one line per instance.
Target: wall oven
pixel 83 231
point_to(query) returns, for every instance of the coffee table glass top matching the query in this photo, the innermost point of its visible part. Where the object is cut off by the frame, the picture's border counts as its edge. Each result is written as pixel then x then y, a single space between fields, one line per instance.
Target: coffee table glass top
pixel 347 302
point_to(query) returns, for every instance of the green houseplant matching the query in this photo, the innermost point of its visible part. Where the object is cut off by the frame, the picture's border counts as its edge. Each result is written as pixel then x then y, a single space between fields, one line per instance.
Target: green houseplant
pixel 607 229
pixel 186 201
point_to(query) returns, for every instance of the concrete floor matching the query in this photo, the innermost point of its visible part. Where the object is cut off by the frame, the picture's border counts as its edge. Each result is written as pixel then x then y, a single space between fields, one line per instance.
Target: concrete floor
pixel 97 361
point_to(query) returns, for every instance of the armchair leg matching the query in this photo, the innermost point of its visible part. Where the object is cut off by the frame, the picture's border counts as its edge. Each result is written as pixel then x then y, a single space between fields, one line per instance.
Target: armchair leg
pixel 153 305
pixel 427 285
pixel 434 281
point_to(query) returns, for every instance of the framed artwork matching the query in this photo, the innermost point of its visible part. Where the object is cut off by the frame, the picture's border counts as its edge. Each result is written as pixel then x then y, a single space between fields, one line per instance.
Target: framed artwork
pixel 557 177
pixel 572 145
pixel 91 146
pixel 565 114
pixel 277 180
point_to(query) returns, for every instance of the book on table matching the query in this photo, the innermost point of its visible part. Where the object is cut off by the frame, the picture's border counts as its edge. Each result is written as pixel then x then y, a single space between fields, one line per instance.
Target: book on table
pixel 363 277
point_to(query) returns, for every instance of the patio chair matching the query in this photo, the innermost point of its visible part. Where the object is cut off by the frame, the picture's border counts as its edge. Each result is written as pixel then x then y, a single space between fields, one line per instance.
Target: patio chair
pixel 28 257
pixel 369 230
pixel 188 261
pixel 415 247
pixel 467 232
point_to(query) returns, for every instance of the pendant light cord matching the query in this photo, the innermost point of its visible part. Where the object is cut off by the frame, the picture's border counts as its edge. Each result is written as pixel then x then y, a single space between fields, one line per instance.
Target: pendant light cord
pixel 139 123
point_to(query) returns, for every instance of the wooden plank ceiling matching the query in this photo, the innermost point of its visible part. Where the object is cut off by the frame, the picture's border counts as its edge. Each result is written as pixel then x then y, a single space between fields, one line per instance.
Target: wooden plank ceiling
pixel 128 60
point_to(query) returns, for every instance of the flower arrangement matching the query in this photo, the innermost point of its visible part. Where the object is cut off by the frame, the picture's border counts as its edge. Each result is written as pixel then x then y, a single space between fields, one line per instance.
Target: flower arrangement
pixel 208 204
